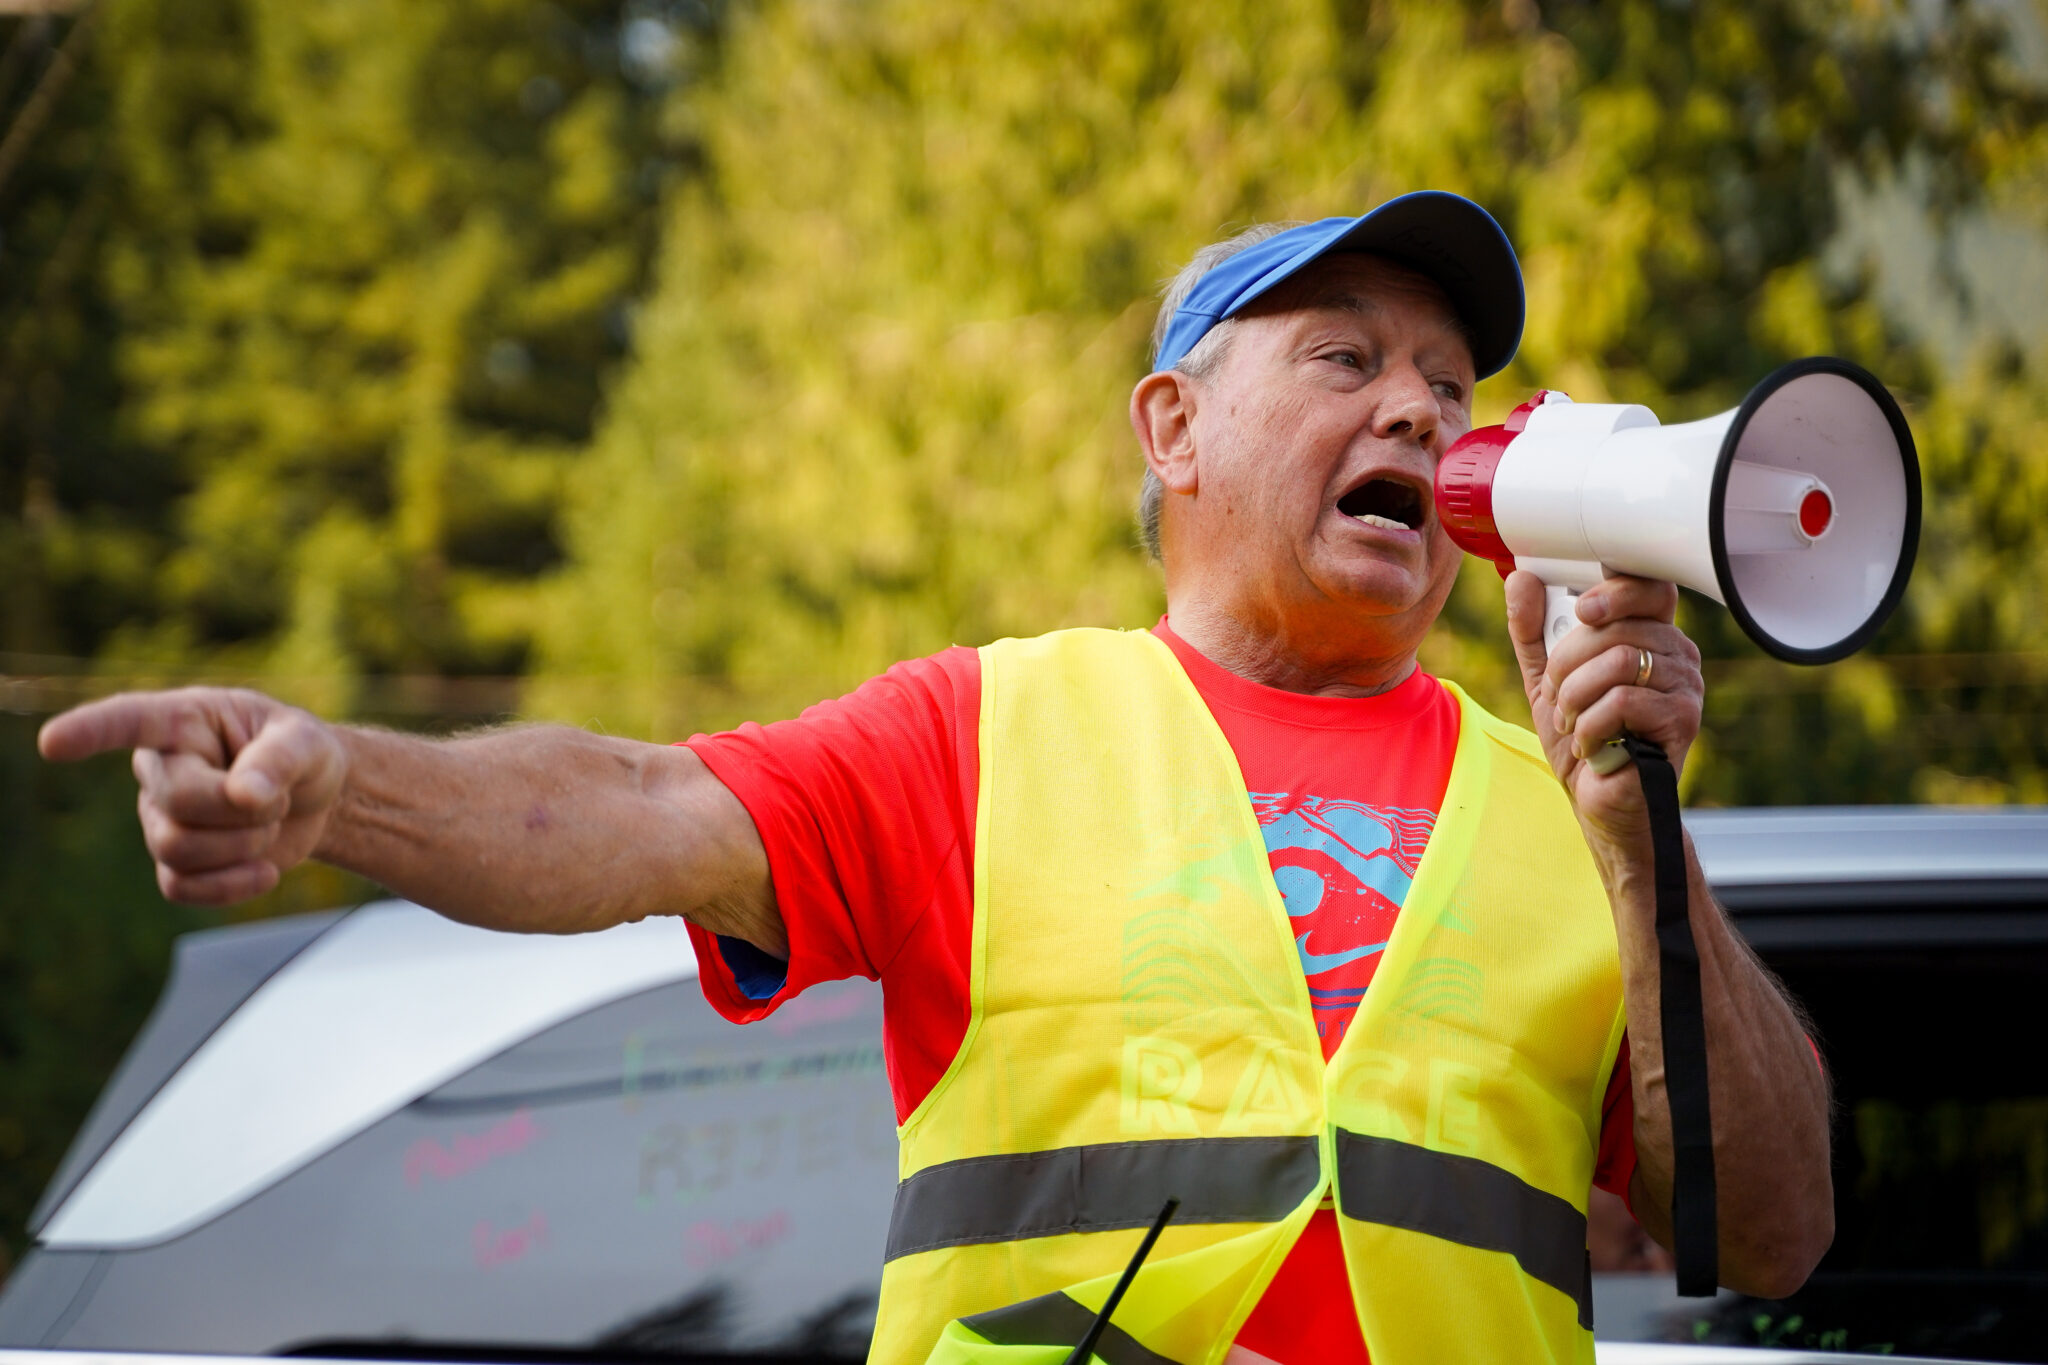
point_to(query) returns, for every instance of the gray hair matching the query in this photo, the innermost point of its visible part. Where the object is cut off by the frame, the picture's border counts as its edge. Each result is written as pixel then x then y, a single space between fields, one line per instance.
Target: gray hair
pixel 1199 363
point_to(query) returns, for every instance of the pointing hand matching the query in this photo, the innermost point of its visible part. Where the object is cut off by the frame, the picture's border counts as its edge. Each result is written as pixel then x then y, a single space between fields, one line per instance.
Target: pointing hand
pixel 236 787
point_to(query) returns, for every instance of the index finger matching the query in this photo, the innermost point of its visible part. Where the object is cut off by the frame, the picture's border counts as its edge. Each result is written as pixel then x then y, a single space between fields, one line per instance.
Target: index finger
pixel 132 720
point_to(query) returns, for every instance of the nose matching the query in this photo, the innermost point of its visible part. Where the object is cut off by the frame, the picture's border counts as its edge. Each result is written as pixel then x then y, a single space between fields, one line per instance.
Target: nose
pixel 1408 407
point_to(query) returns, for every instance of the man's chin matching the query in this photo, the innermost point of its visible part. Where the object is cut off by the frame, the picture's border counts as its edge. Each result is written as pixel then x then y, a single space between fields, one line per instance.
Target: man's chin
pixel 1377 587
pixel 1388 582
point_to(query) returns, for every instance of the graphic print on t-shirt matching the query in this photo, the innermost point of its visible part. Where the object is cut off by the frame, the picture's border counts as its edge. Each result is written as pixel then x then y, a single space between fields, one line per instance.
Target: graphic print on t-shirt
pixel 1343 869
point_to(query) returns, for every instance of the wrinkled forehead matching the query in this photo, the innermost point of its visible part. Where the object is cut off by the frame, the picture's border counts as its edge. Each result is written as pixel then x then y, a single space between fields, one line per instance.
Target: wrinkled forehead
pixel 1368 286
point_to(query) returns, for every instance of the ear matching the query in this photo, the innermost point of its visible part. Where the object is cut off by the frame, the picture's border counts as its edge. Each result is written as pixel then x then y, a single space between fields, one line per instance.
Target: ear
pixel 1163 416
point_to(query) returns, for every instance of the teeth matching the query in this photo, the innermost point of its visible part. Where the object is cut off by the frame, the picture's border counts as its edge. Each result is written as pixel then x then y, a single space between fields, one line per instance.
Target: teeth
pixel 1375 519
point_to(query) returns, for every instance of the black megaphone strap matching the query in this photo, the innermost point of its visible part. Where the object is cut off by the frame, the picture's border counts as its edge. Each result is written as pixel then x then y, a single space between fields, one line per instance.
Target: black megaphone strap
pixel 1693 1214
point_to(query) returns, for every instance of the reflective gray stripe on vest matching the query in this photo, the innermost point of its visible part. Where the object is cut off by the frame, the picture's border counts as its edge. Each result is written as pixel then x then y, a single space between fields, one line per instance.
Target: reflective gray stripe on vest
pixel 1056 1320
pixel 1468 1201
pixel 1100 1188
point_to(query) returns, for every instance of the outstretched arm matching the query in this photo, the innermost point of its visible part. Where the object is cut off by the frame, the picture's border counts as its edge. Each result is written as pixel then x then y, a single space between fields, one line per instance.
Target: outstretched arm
pixel 1769 1098
pixel 539 829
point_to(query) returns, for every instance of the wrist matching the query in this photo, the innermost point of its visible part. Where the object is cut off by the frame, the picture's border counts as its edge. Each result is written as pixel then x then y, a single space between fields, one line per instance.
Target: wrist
pixel 346 745
pixel 1623 856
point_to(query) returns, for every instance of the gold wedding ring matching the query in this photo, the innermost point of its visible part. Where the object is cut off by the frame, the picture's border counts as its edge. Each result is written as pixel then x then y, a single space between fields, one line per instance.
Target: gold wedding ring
pixel 1643 668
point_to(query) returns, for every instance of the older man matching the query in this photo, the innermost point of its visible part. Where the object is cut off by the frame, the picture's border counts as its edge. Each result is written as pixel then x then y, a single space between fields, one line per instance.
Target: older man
pixel 1245 910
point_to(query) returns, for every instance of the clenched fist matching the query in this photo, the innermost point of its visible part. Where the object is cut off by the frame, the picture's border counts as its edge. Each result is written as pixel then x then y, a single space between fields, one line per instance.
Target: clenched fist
pixel 236 787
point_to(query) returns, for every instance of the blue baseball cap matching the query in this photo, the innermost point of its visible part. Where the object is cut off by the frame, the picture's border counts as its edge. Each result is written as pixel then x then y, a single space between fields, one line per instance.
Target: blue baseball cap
pixel 1444 236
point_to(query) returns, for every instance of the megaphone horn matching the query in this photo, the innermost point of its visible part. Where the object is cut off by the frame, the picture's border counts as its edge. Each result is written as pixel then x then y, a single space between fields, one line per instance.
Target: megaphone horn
pixel 1799 510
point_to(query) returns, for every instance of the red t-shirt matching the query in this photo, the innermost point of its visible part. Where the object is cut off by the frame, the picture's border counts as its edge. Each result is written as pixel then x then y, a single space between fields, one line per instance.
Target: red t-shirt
pixel 866 807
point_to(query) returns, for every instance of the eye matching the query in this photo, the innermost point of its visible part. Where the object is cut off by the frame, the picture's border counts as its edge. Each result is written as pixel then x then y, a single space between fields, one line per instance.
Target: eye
pixel 1349 359
pixel 1450 390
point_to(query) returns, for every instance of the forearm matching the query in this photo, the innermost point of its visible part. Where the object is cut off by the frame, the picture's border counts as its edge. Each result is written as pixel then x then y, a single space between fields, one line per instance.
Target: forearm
pixel 1769 1097
pixel 536 829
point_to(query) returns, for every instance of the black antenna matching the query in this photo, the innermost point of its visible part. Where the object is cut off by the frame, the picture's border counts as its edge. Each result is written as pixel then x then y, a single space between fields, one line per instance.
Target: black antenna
pixel 1116 1295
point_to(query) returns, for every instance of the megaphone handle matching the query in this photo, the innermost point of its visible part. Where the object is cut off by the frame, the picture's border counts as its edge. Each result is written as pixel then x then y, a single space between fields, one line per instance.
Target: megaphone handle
pixel 1560 614
pixel 1560 618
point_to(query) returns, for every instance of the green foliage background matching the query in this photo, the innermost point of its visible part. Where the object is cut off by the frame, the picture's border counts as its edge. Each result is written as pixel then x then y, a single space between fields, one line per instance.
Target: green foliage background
pixel 664 364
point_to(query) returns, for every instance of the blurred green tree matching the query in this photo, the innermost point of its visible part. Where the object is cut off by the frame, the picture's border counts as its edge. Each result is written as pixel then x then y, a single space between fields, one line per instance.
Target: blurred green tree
pixel 353 274
pixel 59 458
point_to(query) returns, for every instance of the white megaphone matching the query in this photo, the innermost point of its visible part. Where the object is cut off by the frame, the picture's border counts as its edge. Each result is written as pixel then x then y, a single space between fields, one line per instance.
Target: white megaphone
pixel 1799 511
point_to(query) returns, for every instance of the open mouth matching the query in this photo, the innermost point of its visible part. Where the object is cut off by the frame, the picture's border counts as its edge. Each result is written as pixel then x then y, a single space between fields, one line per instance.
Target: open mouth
pixel 1384 503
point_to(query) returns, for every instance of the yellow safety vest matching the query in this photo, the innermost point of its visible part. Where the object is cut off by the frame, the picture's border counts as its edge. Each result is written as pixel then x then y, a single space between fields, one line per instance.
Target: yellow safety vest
pixel 1141 1029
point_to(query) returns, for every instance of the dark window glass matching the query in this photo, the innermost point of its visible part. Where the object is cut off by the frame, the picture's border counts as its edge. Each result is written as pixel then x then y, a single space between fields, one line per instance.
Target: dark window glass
pixel 1941 1158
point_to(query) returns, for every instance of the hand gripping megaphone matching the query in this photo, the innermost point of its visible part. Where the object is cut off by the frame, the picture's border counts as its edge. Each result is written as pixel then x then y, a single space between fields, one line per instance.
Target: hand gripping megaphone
pixel 1799 511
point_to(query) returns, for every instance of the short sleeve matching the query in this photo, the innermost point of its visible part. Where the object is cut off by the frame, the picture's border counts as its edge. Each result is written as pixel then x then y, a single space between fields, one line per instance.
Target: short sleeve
pixel 1615 1164
pixel 864 805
